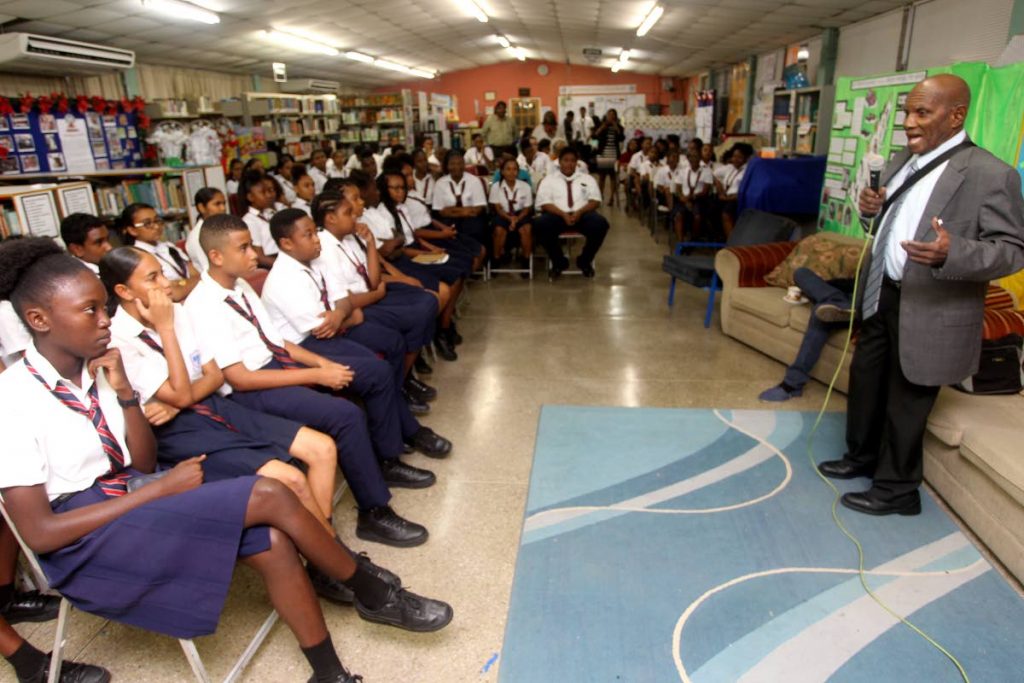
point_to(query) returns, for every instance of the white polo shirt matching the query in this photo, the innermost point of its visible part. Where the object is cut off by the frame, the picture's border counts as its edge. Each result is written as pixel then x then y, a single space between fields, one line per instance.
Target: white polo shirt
pixel 694 182
pixel 318 176
pixel 732 177
pixel 411 215
pixel 380 222
pixel 146 368
pixel 636 161
pixel 555 190
pixel 511 199
pixel 341 260
pixel 291 295
pixel 475 157
pixel 469 188
pixel 195 250
pixel 14 336
pixel 424 188
pixel 301 203
pixel 259 229
pixel 163 253
pixel 668 177
pixel 229 337
pixel 47 443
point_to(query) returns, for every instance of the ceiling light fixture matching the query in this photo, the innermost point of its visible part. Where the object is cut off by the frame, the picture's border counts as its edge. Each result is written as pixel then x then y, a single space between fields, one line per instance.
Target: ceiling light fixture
pixel 624 56
pixel 182 10
pixel 390 66
pixel 476 10
pixel 504 42
pixel 803 53
pixel 650 20
pixel 616 66
pixel 293 41
pixel 422 73
pixel 359 57
pixel 520 54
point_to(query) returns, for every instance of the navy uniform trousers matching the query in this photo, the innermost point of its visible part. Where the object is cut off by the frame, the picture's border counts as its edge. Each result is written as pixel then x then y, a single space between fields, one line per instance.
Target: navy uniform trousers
pixel 340 419
pixel 592 225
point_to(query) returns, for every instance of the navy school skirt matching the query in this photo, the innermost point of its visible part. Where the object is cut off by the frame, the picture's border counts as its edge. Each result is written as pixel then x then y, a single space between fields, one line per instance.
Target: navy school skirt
pixel 165 566
pixel 260 438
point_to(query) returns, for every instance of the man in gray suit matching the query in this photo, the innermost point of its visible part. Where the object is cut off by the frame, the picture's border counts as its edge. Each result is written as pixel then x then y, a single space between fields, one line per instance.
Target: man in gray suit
pixel 957 223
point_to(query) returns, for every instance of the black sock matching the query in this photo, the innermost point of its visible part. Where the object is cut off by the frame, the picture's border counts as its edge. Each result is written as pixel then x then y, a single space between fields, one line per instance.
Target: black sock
pixel 27 661
pixel 324 660
pixel 371 591
pixel 6 594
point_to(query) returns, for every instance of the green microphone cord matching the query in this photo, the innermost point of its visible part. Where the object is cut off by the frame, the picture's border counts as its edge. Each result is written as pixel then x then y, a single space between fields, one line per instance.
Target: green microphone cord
pixel 835 501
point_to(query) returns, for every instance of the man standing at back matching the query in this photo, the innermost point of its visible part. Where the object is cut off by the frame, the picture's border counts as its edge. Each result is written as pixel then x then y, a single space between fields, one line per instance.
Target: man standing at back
pixel 949 218
pixel 499 131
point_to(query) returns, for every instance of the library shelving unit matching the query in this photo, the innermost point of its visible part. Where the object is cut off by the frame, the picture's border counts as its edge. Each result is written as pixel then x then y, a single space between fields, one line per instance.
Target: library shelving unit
pixel 294 123
pixel 376 118
pixel 802 120
pixel 34 203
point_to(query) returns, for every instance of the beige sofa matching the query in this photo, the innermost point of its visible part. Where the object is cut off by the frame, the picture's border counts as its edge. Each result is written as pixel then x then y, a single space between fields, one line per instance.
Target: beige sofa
pixel 973 455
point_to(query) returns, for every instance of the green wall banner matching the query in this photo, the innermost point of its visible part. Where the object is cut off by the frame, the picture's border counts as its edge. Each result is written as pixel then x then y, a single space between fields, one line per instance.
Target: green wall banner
pixel 868 118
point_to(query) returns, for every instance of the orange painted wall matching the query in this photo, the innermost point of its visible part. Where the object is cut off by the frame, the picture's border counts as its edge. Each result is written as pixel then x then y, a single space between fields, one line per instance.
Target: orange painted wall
pixel 506 78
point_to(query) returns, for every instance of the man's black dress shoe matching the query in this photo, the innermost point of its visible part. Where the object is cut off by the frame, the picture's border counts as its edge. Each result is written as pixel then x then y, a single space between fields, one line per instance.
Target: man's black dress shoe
pixel 430 444
pixel 845 469
pixel 30 606
pixel 70 672
pixel 420 389
pixel 409 611
pixel 870 504
pixel 382 525
pixel 400 475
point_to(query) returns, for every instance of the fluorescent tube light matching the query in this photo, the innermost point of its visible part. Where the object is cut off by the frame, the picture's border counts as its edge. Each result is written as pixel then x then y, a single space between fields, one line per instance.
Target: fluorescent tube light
pixel 503 41
pixel 520 54
pixel 182 10
pixel 359 57
pixel 616 66
pixel 422 73
pixel 476 10
pixel 296 42
pixel 624 56
pixel 650 20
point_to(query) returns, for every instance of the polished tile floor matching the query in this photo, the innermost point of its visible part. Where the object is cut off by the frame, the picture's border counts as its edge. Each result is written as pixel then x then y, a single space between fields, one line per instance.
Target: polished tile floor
pixel 607 341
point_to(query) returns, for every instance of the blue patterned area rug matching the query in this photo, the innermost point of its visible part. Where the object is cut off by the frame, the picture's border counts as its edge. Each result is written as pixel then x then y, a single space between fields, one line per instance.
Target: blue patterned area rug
pixel 698 545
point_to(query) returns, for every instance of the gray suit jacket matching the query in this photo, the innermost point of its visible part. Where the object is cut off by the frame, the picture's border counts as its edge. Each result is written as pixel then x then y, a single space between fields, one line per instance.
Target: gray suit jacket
pixel 978 198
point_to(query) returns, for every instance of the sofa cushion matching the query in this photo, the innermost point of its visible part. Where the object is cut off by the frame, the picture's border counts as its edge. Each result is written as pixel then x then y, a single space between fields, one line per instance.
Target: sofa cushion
pixel 995 450
pixel 764 302
pixel 955 413
pixel 830 258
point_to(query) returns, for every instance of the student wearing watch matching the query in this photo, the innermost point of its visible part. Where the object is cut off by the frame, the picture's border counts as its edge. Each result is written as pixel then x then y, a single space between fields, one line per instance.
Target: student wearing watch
pixel 141 227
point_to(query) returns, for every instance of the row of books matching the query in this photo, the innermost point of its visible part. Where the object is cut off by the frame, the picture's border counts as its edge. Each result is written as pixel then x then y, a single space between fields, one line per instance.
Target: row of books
pixel 166 195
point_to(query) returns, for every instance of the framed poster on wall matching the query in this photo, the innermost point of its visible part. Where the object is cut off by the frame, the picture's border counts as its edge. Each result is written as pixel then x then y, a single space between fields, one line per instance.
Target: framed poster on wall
pixel 37 214
pixel 76 198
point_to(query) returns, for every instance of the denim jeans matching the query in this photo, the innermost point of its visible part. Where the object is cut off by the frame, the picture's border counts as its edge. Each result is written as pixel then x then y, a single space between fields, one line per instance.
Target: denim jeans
pixel 819 291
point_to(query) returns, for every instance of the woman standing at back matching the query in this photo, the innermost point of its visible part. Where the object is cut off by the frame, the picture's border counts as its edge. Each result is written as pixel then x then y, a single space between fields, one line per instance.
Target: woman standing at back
pixel 609 135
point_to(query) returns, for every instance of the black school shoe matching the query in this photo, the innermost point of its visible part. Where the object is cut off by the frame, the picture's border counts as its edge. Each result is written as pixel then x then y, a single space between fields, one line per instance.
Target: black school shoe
pixel 419 389
pixel 417 406
pixel 338 592
pixel 343 677
pixel 430 444
pixel 409 611
pixel 383 525
pixel 422 367
pixel 445 349
pixel 30 606
pixel 453 335
pixel 70 672
pixel 587 269
pixel 398 474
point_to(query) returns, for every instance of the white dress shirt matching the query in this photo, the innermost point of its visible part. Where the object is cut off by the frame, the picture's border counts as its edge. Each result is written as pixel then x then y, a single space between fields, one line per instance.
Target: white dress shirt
pixel 301 203
pixel 47 443
pixel 424 188
pixel 195 250
pixel 406 213
pixel 380 222
pixel 259 229
pixel 162 251
pixel 470 188
pixel 904 223
pixel 318 176
pixel 231 186
pixel 519 196
pixel 341 261
pixel 287 187
pixel 291 295
pixel 731 179
pixel 555 190
pixel 91 266
pixel 668 177
pixel 474 157
pixel 694 182
pixel 230 337
pixel 636 161
pixel 418 214
pixel 334 172
pixel 14 336
pixel 146 368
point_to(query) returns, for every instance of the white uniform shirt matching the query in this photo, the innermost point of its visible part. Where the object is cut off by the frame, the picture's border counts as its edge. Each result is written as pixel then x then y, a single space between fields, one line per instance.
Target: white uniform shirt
pixel 636 161
pixel 903 224
pixel 45 442
pixel 91 266
pixel 731 179
pixel 334 172
pixel 424 188
pixel 259 228
pixel 554 190
pixel 408 216
pixel 669 177
pixel 147 369
pixel 162 251
pixel 195 250
pixel 520 197
pixel 318 176
pixel 694 182
pixel 341 261
pixel 286 187
pixel 475 157
pixel 291 295
pixel 470 188
pixel 380 222
pixel 301 203
pixel 230 337
pixel 418 214
pixel 14 336
pixel 231 186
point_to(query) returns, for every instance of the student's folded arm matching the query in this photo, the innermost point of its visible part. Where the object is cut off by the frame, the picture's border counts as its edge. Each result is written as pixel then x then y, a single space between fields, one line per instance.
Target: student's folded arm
pixel 590 206
pixel 243 379
pixel 210 382
pixel 367 298
pixel 305 356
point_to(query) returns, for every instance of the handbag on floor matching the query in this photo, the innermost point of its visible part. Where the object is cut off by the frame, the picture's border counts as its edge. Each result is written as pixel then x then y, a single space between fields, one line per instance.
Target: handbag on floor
pixel 1000 369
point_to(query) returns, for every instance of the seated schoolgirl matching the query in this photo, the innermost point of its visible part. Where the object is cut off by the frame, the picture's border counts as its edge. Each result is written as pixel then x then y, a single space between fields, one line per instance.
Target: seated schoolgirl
pixel 271 375
pixel 336 164
pixel 512 202
pixel 209 201
pixel 258 204
pixel 283 175
pixel 305 190
pixel 304 301
pixel 167 547
pixel 143 228
pixel 234 176
pixel 423 180
pixel 178 382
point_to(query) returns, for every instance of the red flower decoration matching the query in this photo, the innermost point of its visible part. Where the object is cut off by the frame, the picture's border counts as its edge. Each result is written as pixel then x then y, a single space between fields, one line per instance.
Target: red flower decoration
pixel 98 103
pixel 111 108
pixel 82 104
pixel 62 104
pixel 139 103
pixel 5 106
pixel 45 104
pixel 143 121
pixel 26 103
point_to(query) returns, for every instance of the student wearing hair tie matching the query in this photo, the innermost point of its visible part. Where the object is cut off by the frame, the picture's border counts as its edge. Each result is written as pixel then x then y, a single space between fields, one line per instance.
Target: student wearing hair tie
pixel 143 228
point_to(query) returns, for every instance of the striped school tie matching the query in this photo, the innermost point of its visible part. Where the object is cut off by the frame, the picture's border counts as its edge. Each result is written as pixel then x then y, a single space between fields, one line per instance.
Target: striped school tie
pixel 876 274
pixel 114 482
pixel 322 288
pixel 200 408
pixel 279 353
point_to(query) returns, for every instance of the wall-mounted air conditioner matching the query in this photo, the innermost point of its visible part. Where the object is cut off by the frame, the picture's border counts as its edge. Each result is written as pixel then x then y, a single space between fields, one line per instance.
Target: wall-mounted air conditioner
pixel 31 53
pixel 310 86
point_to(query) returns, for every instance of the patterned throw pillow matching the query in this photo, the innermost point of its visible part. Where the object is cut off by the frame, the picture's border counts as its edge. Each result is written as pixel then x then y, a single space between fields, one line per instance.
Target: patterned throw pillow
pixel 828 258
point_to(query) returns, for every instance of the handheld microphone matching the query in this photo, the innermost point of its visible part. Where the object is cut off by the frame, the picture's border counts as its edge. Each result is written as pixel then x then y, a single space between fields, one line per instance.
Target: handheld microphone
pixel 876 162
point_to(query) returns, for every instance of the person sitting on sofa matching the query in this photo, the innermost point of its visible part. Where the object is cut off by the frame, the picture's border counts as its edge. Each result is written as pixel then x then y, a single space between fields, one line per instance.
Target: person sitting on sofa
pixel 832 307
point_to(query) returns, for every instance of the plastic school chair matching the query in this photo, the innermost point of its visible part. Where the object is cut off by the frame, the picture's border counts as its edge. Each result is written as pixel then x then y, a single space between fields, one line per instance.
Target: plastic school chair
pixel 188 646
